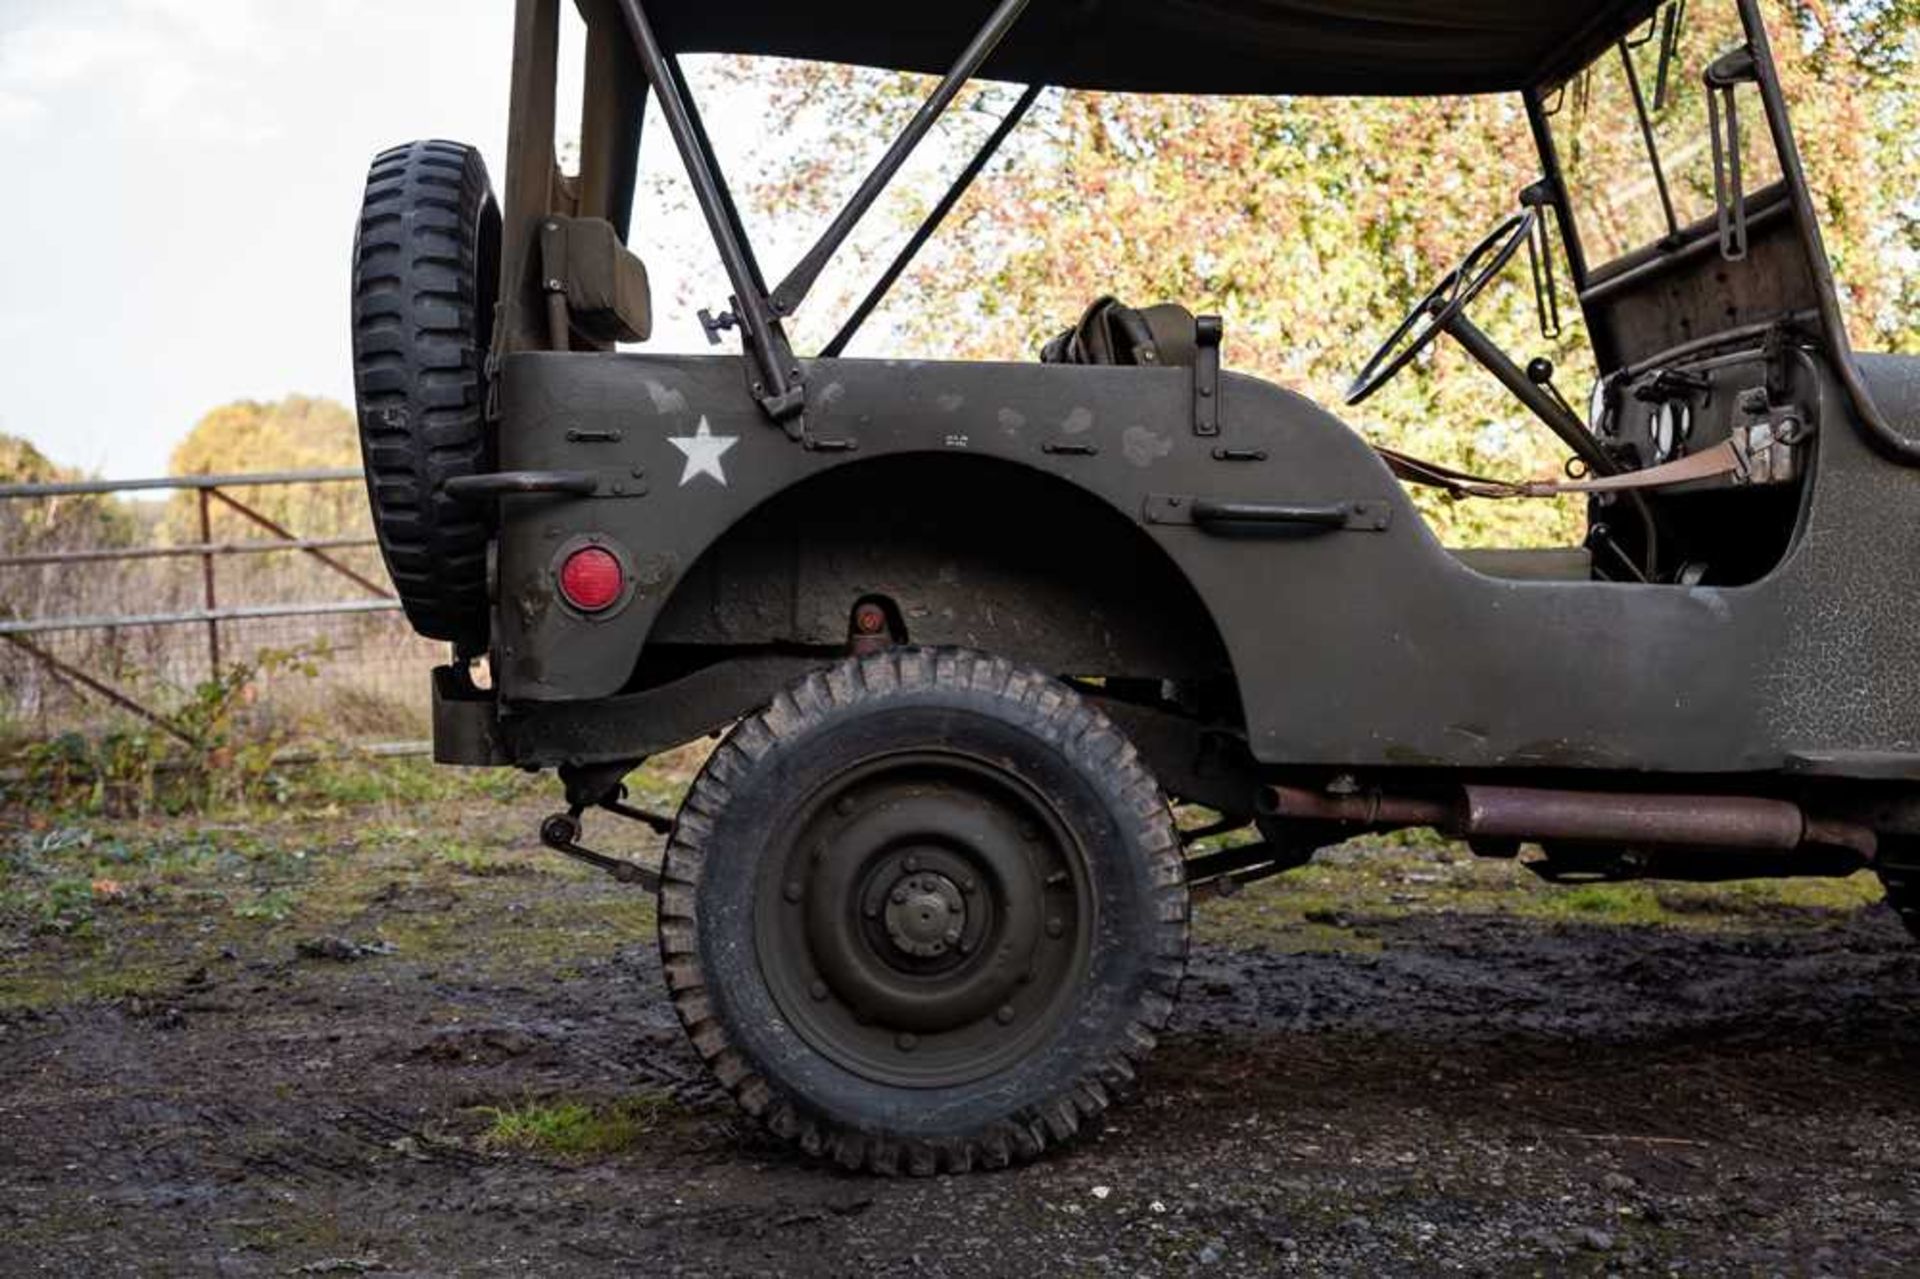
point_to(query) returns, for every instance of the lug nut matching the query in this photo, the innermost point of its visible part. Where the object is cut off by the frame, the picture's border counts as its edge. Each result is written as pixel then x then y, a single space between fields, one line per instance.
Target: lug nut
pixel 899 896
pixel 1004 1015
pixel 906 1041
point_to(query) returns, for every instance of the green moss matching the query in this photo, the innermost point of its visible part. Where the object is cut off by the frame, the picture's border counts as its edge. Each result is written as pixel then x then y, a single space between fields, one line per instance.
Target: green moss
pixel 1329 904
pixel 1617 903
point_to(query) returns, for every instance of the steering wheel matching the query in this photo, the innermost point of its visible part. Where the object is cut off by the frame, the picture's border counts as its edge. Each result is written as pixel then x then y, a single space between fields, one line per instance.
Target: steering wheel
pixel 1448 299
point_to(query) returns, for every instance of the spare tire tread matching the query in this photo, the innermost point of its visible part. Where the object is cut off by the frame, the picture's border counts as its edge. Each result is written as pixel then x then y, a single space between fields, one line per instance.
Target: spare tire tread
pixel 425 253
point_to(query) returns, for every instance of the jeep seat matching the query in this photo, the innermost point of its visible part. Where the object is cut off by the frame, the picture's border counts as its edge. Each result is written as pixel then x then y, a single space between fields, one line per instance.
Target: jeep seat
pixel 1111 332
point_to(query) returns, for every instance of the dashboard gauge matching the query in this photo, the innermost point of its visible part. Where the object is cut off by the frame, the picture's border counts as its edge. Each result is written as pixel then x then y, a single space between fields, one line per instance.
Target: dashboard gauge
pixel 1668 428
pixel 1663 429
pixel 1597 408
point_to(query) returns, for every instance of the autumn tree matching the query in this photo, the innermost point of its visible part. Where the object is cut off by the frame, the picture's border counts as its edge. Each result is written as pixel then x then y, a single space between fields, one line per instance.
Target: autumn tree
pixel 68 522
pixel 298 433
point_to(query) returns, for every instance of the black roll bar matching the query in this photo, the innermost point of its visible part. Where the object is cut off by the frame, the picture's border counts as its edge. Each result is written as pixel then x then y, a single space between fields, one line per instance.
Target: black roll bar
pixel 705 144
pixel 931 223
pixel 793 290
pixel 777 387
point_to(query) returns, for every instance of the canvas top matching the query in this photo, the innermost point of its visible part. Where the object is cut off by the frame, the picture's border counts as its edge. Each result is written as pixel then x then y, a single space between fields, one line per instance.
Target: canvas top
pixel 1359 47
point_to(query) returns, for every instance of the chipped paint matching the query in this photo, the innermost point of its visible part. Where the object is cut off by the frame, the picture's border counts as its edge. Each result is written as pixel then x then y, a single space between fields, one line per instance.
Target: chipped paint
pixel 667 400
pixel 1142 447
pixel 1081 419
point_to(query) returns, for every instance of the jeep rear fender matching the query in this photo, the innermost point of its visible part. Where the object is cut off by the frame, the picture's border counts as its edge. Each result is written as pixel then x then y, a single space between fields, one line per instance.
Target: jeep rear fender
pixel 1015 523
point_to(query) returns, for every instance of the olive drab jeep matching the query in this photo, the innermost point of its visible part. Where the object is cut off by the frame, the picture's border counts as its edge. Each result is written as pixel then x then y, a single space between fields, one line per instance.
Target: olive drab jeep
pixel 968 632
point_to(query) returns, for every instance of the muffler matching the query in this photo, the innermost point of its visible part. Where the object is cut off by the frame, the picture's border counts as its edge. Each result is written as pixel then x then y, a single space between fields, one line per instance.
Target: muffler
pixel 1590 817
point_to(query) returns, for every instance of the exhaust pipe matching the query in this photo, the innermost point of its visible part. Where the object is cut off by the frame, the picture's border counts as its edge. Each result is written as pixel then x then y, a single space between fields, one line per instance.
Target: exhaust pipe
pixel 1596 817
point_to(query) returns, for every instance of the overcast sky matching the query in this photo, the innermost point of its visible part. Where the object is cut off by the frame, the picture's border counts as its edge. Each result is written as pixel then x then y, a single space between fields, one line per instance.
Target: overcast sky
pixel 183 177
pixel 182 180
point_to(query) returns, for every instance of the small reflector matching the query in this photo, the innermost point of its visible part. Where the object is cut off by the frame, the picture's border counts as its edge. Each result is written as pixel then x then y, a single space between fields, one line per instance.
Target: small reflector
pixel 591 579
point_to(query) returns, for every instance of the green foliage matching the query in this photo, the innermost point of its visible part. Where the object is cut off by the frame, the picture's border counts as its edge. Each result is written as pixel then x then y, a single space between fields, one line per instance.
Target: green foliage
pixel 274 905
pixel 227 757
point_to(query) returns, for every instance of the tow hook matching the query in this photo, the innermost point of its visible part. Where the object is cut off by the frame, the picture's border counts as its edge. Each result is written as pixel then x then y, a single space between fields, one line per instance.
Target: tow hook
pixel 561 832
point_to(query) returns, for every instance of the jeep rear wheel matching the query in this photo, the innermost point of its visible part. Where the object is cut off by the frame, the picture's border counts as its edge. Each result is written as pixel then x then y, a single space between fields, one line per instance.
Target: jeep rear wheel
pixel 425 260
pixel 924 912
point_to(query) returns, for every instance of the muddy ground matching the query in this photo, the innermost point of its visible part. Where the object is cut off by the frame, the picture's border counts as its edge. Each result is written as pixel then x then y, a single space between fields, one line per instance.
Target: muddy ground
pixel 378 1032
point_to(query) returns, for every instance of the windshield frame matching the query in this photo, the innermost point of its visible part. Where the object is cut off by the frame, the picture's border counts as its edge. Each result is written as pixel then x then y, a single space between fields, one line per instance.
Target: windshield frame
pixel 1682 234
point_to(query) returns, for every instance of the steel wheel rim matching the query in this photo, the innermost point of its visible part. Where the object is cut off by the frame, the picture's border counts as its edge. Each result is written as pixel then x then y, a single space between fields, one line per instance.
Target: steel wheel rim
pixel 926 920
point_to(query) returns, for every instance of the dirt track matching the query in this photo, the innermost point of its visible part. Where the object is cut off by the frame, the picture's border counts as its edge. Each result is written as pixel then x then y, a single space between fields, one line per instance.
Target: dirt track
pixel 1421 1087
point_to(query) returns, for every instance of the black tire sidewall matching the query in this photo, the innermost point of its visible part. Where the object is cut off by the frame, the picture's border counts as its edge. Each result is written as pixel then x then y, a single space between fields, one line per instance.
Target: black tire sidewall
pixel 1092 802
pixel 425 269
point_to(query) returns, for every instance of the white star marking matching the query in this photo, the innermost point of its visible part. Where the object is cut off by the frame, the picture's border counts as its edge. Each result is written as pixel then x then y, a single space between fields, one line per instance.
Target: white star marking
pixel 703 449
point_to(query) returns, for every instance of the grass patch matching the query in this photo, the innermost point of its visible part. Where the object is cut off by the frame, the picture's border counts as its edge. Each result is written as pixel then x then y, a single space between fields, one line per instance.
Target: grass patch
pixel 479 863
pixel 364 783
pixel 1630 903
pixel 573 1129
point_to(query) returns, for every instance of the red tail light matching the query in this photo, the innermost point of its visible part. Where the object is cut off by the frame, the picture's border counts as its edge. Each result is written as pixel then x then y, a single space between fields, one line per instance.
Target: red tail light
pixel 591 579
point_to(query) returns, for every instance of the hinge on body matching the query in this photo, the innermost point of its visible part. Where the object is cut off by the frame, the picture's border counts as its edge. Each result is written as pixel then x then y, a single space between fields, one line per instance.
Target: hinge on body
pixel 1206 375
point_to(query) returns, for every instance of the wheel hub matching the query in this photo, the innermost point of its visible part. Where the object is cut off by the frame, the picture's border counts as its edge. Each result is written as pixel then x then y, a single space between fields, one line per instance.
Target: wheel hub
pixel 925 915
pixel 925 919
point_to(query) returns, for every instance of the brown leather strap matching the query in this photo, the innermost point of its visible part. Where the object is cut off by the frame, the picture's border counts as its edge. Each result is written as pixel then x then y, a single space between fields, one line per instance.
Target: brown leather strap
pixel 1722 459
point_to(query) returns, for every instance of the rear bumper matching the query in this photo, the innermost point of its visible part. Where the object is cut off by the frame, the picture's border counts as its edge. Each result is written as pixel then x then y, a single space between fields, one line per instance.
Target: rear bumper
pixel 466 723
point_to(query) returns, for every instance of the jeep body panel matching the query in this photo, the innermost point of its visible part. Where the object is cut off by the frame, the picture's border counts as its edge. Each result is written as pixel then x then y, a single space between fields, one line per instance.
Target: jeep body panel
pixel 1356 646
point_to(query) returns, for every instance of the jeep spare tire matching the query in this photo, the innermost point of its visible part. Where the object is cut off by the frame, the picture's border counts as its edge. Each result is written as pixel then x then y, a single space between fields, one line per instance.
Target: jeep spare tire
pixel 425 262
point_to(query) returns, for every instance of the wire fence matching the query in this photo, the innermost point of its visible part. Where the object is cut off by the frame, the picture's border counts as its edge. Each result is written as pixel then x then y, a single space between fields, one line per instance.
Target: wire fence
pixel 118 599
